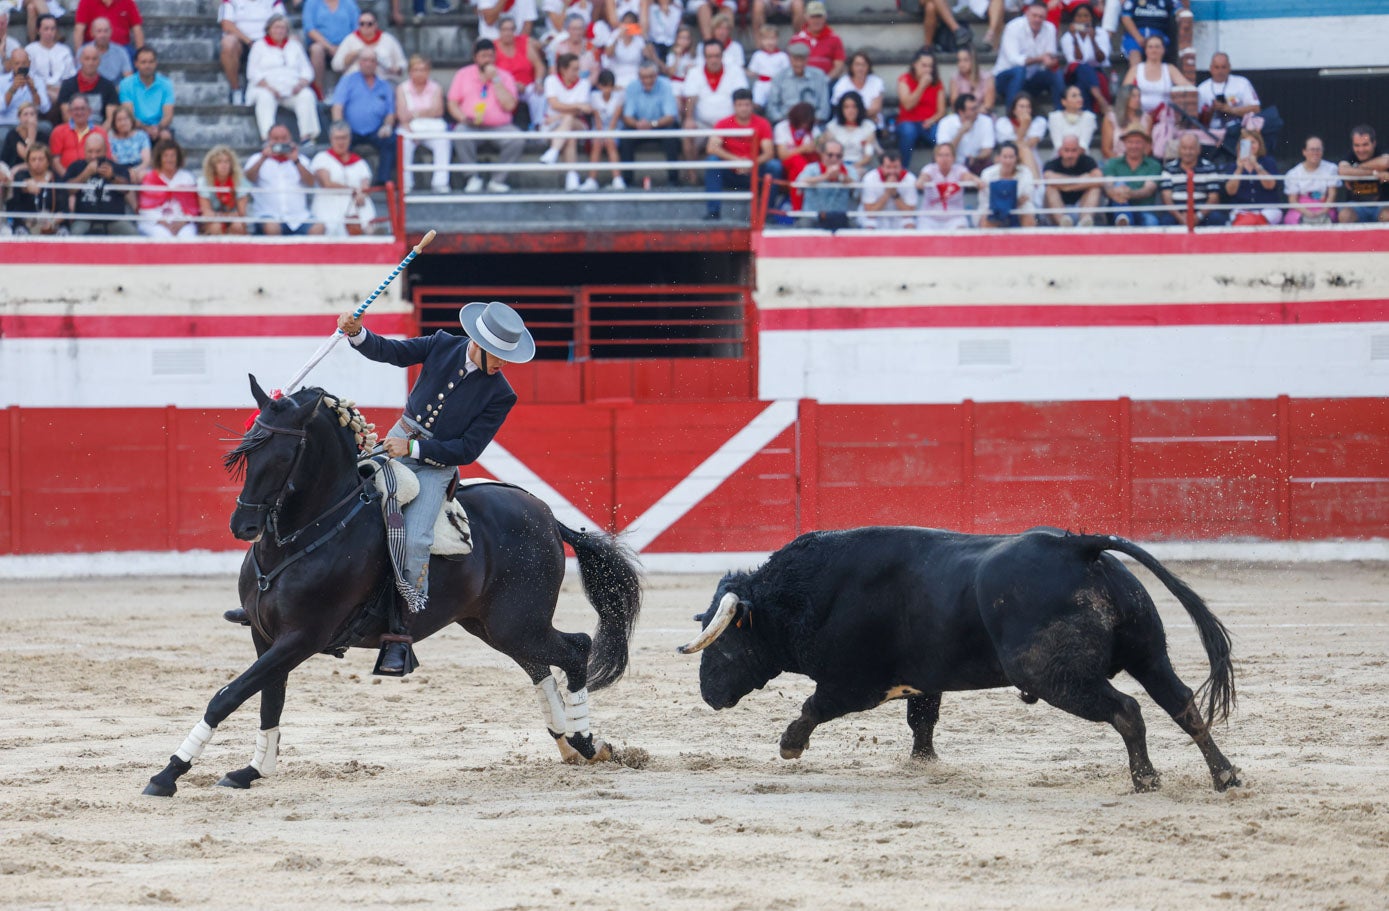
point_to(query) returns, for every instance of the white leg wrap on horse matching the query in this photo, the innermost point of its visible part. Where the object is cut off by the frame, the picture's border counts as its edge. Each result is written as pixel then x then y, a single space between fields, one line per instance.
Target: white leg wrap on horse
pixel 551 705
pixel 193 746
pixel 576 712
pixel 267 751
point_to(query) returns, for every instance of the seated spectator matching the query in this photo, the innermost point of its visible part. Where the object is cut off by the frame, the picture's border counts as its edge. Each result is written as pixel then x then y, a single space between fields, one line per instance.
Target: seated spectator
pixel 18 87
pixel 826 50
pixel 1153 78
pixel 130 147
pixel 921 100
pixel 860 78
pixel 390 57
pixel 1226 99
pixel 24 134
pixel 50 62
pixel 681 59
pixel 970 80
pixel 223 190
pixel 795 143
pixel 574 40
pixel 102 96
pixel 1133 201
pixel 798 84
pixel 367 103
pixel 419 107
pixel 1072 119
pixel 625 51
pixel 705 11
pixel 326 23
pixel 854 133
pixel 1365 175
pixel 1127 112
pixel 1025 130
pixel 1085 55
pixel 570 109
pixel 710 89
pixel 606 101
pixel 103 197
pixel 280 177
pixel 763 10
pixel 345 207
pixel 1028 58
pixel 734 57
pixel 1005 192
pixel 68 140
pixel 1311 186
pixel 243 23
pixel 8 43
pixel 650 105
pixel 1253 183
pixel 520 56
pixel 149 96
pixel 757 148
pixel 971 133
pixel 938 12
pixel 556 13
pixel 1144 19
pixel 492 13
pixel 663 18
pixel 765 63
pixel 1072 182
pixel 942 189
pixel 1205 188
pixel 127 25
pixel 168 195
pixel 33 204
pixel 278 74
pixel 482 99
pixel 116 62
pixel 887 188
pixel 827 186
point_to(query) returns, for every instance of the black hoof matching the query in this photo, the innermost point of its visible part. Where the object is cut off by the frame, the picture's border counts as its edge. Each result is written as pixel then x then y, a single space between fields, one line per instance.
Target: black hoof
pixel 1146 784
pixel 240 779
pixel 925 756
pixel 166 782
pixel 155 789
pixel 584 744
pixel 1229 778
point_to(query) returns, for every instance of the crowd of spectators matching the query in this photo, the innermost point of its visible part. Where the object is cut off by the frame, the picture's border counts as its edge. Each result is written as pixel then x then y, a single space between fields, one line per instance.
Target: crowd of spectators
pixel 1050 136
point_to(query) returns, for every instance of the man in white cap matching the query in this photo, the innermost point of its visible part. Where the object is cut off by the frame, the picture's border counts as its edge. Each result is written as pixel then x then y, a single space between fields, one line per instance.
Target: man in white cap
pixel 454 410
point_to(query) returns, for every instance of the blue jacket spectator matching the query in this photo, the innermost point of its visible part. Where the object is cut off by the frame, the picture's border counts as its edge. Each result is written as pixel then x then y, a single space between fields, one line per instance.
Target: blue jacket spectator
pixel 367 103
pixel 650 105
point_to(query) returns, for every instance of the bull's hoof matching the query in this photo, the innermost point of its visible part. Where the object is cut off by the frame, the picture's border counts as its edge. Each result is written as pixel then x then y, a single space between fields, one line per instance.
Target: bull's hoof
pixel 1144 784
pixel 240 779
pixel 155 789
pixel 792 752
pixel 1227 779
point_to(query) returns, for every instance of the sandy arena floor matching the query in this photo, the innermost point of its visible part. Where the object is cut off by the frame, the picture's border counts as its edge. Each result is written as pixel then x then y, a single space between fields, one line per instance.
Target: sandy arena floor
pixel 444 791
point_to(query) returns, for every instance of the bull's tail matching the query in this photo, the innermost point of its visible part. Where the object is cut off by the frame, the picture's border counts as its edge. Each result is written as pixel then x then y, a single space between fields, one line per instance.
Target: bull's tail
pixel 612 585
pixel 1218 692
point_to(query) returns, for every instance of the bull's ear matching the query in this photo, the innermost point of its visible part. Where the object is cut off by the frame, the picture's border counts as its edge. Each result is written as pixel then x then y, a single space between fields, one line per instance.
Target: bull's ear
pixel 262 399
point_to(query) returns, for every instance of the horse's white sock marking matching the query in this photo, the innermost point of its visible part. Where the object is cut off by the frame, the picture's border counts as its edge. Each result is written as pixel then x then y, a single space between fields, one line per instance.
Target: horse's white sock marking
pixel 267 751
pixel 193 746
pixel 551 705
pixel 576 712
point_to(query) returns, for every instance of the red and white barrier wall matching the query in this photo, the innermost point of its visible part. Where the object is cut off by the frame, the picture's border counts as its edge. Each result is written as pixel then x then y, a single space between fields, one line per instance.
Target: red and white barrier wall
pixel 905 380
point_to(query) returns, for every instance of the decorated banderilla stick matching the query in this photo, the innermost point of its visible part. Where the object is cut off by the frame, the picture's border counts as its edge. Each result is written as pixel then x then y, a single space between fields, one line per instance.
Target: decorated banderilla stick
pixel 337 335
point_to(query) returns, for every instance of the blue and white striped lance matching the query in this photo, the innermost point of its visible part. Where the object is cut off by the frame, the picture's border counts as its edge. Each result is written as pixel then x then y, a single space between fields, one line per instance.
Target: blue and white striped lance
pixel 337 335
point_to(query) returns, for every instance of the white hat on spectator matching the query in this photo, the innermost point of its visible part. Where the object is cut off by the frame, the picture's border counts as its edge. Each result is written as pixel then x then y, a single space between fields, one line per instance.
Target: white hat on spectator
pixel 498 330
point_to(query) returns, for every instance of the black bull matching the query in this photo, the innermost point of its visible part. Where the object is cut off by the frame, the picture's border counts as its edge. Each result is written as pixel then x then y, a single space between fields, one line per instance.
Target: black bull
pixel 875 614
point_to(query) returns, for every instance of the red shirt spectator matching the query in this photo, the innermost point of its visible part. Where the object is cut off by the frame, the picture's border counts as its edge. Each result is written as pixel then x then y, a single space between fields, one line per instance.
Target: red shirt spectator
pixel 68 140
pixel 123 15
pixel 826 50
pixel 745 146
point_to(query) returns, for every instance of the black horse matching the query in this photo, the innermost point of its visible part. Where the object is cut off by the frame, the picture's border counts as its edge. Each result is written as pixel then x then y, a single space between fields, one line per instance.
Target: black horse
pixel 319 569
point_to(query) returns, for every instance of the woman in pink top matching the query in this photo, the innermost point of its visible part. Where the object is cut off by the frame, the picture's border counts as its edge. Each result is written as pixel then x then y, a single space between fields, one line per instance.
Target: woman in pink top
pixel 168 195
pixel 419 108
pixel 970 80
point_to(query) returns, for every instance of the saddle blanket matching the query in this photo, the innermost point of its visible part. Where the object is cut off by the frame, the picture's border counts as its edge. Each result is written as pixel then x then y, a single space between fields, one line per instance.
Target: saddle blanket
pixel 452 533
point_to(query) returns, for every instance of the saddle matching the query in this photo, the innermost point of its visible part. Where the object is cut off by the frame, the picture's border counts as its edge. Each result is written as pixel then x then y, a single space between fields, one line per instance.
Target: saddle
pixel 453 538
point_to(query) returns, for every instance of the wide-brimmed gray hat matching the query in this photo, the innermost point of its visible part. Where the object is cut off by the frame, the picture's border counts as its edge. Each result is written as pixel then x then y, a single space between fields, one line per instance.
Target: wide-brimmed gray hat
pixel 498 330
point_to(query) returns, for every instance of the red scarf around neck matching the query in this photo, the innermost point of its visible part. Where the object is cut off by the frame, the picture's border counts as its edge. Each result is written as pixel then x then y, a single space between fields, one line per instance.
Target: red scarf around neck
pixel 367 41
pixel 713 78
pixel 84 86
pixel 347 158
pixel 273 43
pixel 226 193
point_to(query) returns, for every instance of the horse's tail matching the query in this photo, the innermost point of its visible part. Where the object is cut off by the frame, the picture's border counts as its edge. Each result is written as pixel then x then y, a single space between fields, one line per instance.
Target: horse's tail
pixel 608 570
pixel 1219 689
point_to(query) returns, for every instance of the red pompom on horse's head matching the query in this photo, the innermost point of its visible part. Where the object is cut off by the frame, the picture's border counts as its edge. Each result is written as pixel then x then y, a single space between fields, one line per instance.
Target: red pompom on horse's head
pixel 261 399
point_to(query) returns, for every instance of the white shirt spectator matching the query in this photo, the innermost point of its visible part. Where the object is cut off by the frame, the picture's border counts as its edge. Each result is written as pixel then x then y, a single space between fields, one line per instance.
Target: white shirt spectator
pixel 853 139
pixel 1026 185
pixel 734 57
pixel 249 15
pixel 580 92
pixel 712 104
pixel 1019 43
pixel 518 11
pixel 782 136
pixel 51 64
pixel 391 61
pixel 979 138
pixel 872 89
pixel 1082 50
pixel 1301 182
pixel 583 8
pixel 9 116
pixel 662 24
pixel 623 58
pixel 1237 90
pixel 874 189
pixel 11 45
pixel 762 67
pixel 943 200
pixel 604 112
pixel 281 68
pixel 1005 131
pixel 286 199
pixel 334 208
pixel 1083 128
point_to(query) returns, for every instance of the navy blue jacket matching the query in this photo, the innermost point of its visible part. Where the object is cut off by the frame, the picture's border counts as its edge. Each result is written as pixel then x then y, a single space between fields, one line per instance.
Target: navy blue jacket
pixel 463 410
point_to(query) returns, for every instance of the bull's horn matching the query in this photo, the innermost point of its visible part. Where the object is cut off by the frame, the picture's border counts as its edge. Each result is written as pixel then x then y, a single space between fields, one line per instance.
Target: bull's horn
pixel 722 617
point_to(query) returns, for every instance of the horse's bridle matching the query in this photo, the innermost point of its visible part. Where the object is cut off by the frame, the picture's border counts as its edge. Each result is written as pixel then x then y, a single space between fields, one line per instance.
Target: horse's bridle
pixel 272 520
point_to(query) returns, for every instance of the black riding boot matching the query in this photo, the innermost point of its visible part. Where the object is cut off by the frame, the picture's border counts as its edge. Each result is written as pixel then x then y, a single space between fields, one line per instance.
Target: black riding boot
pixel 397 656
